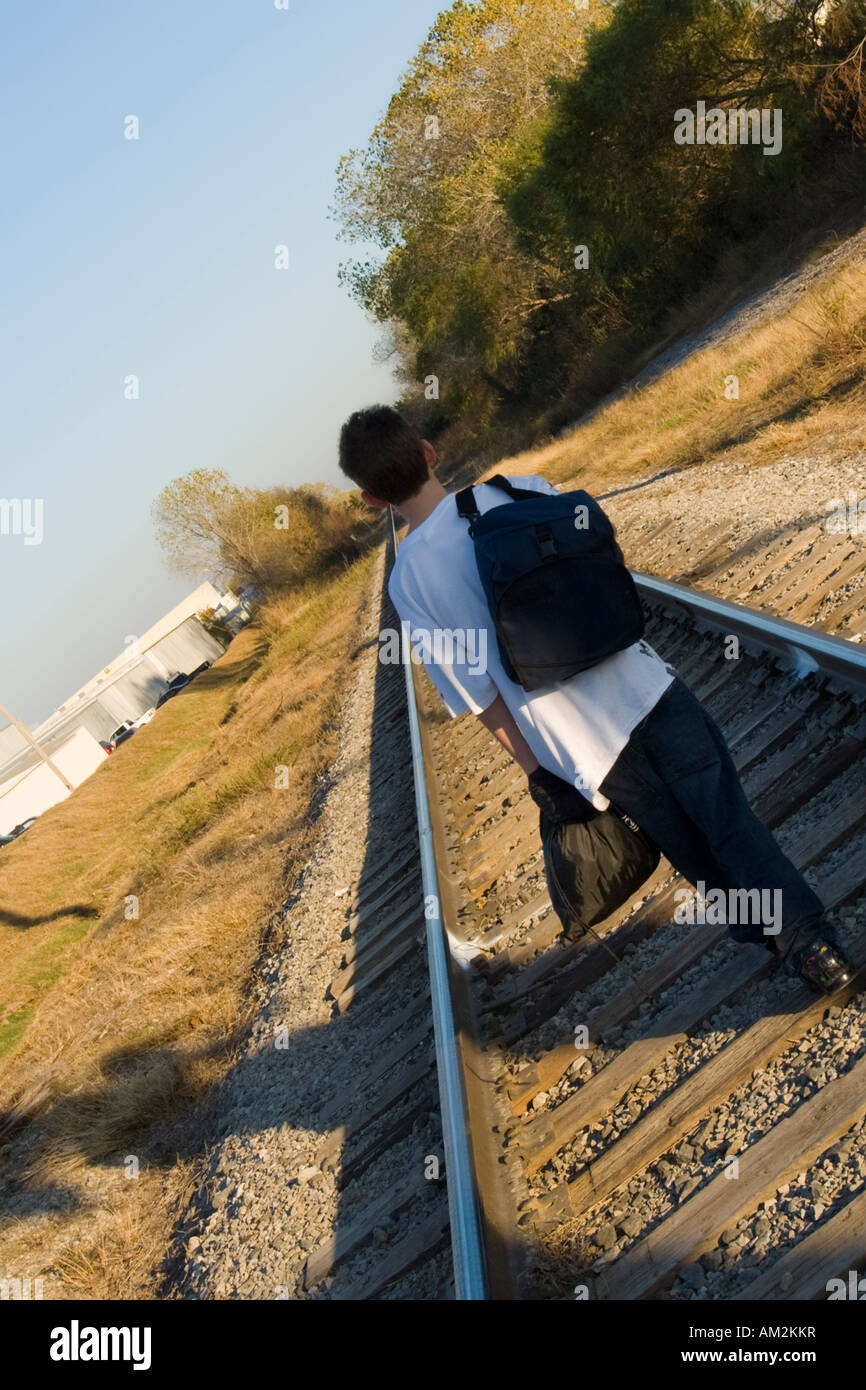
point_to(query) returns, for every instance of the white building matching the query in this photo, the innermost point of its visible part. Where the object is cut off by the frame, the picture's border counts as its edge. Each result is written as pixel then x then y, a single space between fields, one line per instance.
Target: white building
pixel 130 684
pixel 32 791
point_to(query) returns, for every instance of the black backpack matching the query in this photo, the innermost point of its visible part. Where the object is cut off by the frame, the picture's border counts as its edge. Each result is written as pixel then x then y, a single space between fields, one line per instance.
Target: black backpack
pixel 553 575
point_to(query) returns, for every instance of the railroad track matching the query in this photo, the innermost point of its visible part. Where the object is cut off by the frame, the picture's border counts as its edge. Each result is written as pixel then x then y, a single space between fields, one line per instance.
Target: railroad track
pixel 661 1114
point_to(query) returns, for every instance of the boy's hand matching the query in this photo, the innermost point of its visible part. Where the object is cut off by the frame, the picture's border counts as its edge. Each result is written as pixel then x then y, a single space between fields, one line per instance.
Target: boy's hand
pixel 557 800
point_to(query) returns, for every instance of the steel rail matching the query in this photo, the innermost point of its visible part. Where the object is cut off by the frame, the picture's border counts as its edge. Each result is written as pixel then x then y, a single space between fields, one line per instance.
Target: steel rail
pixel 806 649
pixel 467 1243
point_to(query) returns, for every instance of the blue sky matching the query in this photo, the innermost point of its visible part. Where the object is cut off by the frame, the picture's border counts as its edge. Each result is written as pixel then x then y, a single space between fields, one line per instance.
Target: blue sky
pixel 155 257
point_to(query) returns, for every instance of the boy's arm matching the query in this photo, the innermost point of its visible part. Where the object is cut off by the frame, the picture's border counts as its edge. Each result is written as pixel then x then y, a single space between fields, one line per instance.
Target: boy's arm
pixel 500 721
pixel 557 800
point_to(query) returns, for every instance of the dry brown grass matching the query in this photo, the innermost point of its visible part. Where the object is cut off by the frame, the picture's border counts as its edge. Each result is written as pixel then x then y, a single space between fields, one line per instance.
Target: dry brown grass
pixel 115 1026
pixel 802 383
pixel 562 1260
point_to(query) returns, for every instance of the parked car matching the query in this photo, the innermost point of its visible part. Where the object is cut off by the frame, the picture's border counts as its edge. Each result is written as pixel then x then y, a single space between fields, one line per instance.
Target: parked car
pixel 180 682
pixel 175 686
pixel 122 733
pixel 145 718
pixel 106 746
pixel 18 830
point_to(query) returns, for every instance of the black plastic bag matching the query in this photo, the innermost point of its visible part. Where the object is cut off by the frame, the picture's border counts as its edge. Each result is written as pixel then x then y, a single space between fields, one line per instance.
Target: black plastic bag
pixel 593 866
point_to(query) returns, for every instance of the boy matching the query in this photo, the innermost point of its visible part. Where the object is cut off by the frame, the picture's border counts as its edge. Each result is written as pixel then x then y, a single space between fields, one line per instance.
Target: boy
pixel 627 730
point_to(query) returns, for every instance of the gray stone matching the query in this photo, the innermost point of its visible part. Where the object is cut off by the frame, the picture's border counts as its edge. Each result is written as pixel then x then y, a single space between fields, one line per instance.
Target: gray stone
pixel 692 1276
pixel 607 1258
pixel 605 1236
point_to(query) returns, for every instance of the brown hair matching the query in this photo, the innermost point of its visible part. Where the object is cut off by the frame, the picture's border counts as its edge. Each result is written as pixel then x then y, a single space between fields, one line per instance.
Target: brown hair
pixel 382 453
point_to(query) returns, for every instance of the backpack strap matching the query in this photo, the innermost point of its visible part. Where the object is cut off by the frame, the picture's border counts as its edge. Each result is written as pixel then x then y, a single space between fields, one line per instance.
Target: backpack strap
pixel 514 492
pixel 467 507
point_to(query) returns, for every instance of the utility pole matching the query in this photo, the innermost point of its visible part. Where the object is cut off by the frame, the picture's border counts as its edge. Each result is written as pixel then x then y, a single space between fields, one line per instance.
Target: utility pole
pixel 31 740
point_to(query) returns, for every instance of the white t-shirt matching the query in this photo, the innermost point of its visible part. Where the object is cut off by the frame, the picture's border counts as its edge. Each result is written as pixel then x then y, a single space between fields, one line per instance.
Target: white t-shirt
pixel 576 728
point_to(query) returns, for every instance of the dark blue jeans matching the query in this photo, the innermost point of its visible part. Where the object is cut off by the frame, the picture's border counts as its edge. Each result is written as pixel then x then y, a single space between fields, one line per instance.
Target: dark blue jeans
pixel 677 779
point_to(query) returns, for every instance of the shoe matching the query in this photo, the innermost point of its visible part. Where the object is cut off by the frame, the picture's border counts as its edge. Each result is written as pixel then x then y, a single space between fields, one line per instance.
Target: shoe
pixel 824 964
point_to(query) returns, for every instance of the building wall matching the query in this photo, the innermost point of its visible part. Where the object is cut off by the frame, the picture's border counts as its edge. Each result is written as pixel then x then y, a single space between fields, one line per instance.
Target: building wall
pixel 131 683
pixel 126 698
pixel 39 788
pixel 11 744
pixel 205 596
pixel 186 648
pixel 129 695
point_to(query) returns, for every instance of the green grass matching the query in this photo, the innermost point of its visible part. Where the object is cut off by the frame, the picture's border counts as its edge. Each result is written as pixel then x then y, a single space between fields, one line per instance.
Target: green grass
pixel 39 971
pixel 13 1025
pixel 162 759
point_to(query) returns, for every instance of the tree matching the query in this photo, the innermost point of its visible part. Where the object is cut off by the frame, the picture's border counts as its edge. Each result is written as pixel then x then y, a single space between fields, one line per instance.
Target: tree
pixel 841 68
pixel 603 169
pixel 523 133
pixel 274 539
pixel 196 524
pixel 425 193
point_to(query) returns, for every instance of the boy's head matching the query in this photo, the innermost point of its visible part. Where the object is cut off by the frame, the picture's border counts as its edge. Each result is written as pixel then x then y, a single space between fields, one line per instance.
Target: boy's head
pixel 384 455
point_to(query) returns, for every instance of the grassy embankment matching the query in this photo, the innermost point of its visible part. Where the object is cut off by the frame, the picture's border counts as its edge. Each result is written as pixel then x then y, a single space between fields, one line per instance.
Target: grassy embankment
pixel 111 1026
pixel 802 385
